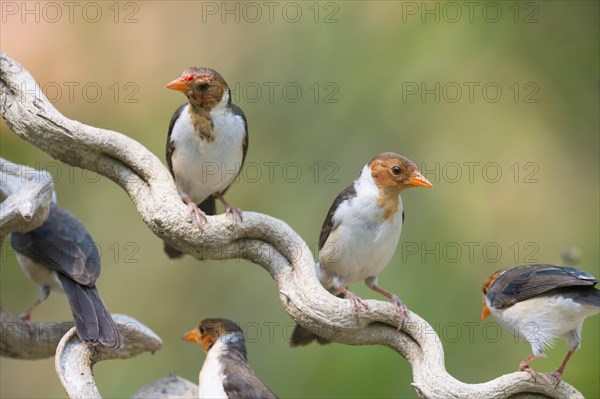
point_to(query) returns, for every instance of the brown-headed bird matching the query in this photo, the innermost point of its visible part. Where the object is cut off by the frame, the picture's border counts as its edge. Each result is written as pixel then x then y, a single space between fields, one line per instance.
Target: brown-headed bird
pixel 225 372
pixel 206 144
pixel 361 232
pixel 540 303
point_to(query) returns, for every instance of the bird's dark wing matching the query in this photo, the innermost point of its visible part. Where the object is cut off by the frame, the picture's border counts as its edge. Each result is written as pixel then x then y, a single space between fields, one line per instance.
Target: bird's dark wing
pixel 241 383
pixel 170 147
pixel 236 111
pixel 524 282
pixel 209 205
pixel 328 225
pixel 61 244
pixel 585 295
pixel 302 337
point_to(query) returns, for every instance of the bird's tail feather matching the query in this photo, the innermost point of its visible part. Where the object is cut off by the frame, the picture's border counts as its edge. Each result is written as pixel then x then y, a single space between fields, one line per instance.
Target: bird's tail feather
pixel 209 207
pixel 302 337
pixel 589 296
pixel 93 322
pixel 171 252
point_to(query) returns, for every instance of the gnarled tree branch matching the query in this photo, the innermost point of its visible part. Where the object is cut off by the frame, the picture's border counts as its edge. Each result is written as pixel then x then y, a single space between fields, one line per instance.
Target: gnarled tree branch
pixel 75 359
pixel 27 194
pixel 261 239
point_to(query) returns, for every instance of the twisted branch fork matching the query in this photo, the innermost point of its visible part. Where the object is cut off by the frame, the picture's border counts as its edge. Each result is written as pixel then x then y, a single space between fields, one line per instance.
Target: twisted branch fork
pixel 262 239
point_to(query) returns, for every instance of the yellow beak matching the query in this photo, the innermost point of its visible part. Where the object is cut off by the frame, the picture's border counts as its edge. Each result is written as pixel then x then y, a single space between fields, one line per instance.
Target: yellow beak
pixel 190 336
pixel 178 84
pixel 418 179
pixel 485 312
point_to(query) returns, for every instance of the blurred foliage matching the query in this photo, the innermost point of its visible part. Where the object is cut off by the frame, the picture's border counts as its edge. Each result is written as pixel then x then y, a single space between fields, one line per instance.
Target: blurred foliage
pixel 357 74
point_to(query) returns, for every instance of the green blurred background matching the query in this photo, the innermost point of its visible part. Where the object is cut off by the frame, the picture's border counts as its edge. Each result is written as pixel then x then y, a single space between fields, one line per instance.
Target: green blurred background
pixel 349 80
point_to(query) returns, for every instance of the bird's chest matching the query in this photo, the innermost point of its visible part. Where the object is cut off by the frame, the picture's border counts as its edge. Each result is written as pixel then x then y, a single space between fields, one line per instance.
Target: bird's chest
pixel 204 166
pixel 541 319
pixel 363 242
pixel 38 274
pixel 210 382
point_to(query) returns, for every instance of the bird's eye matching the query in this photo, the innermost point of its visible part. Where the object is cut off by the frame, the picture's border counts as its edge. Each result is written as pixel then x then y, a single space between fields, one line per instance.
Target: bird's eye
pixel 202 329
pixel 396 170
pixel 203 86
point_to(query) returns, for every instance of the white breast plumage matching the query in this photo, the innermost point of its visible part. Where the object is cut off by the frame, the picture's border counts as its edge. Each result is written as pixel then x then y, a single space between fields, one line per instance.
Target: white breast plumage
pixel 541 320
pixel 210 381
pixel 202 168
pixel 363 243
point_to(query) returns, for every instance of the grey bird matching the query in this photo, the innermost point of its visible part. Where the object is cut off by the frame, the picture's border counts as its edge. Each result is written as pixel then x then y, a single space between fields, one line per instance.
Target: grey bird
pixel 61 256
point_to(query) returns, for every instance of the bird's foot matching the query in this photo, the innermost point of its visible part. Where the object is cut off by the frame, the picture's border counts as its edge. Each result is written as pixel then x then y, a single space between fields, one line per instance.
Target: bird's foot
pixel 356 304
pixel 197 214
pixel 557 375
pixel 26 318
pixel 525 367
pixel 234 213
pixel 401 310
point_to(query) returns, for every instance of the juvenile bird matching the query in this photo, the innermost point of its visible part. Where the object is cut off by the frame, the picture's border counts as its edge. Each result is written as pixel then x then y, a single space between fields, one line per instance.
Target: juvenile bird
pixel 206 144
pixel 225 373
pixel 361 232
pixel 61 256
pixel 540 303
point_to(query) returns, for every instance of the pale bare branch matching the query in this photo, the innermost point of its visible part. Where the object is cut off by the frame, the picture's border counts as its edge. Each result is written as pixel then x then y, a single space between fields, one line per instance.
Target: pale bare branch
pixel 169 387
pixel 75 359
pixel 27 194
pixel 261 239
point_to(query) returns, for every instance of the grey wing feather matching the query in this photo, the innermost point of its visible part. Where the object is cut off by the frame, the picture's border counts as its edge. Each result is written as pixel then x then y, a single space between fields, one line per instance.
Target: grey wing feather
pixel 245 384
pixel 61 244
pixel 521 283
pixel 328 224
pixel 238 111
pixel 170 148
pixel 584 295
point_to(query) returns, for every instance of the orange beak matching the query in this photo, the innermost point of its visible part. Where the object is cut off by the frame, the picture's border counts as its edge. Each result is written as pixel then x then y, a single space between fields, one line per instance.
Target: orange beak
pixel 190 336
pixel 178 84
pixel 418 179
pixel 485 312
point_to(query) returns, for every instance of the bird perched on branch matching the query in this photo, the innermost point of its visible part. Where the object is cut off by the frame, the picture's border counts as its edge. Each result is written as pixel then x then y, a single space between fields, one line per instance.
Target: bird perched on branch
pixel 225 373
pixel 361 232
pixel 540 303
pixel 61 256
pixel 206 144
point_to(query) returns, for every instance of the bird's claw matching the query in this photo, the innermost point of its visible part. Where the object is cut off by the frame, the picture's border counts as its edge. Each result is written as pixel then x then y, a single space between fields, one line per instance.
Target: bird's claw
pixel 557 375
pixel 524 367
pixel 233 212
pixel 198 215
pixel 26 318
pixel 356 304
pixel 401 311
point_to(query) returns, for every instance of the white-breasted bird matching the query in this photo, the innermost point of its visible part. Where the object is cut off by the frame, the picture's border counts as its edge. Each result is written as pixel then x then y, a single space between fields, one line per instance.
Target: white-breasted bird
pixel 206 144
pixel 225 372
pixel 361 232
pixel 541 303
